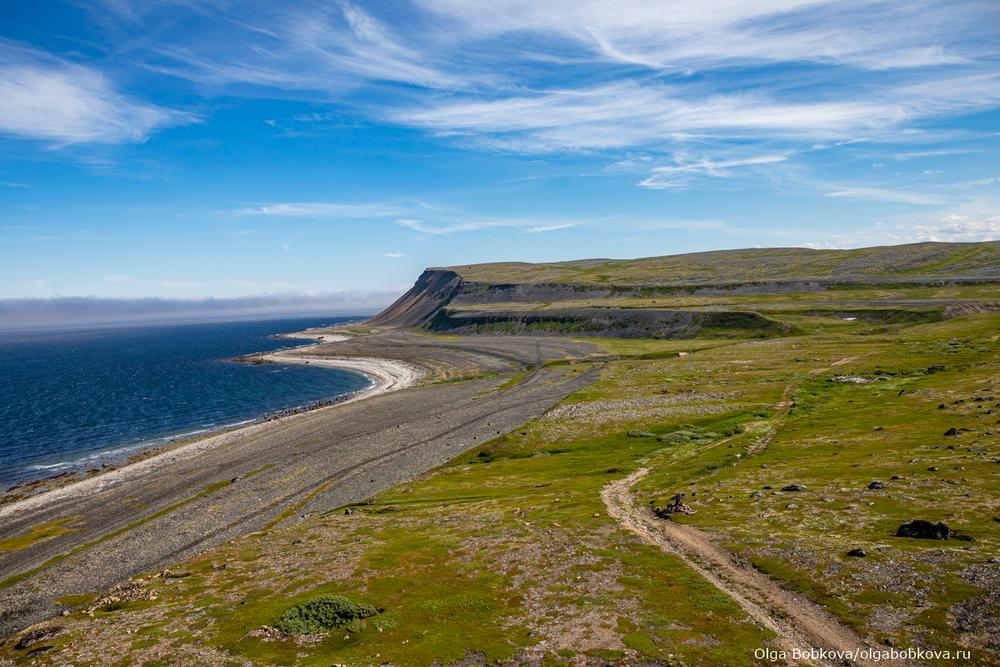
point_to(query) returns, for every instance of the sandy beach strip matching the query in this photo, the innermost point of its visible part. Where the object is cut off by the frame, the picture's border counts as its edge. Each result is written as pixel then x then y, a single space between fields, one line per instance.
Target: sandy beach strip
pixel 385 374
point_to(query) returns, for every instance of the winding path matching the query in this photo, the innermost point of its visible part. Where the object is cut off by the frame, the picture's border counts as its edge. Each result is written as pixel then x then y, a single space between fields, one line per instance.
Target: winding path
pixel 802 626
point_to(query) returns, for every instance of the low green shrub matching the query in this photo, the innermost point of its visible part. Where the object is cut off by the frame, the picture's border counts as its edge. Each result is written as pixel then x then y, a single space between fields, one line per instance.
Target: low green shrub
pixel 322 614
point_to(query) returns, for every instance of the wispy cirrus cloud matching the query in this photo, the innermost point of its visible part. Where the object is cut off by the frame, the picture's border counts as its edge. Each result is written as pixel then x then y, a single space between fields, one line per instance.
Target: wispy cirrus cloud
pixel 326 48
pixel 323 210
pixel 715 35
pixel 679 174
pixel 541 229
pixel 629 114
pixel 887 195
pixel 431 219
pixel 42 97
pixel 870 52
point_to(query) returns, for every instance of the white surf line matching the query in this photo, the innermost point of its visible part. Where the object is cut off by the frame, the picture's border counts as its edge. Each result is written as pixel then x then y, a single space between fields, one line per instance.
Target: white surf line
pixel 386 375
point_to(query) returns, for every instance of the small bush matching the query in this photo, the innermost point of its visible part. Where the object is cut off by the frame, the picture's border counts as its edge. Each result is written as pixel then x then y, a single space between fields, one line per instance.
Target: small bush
pixel 678 437
pixel 323 614
pixel 639 433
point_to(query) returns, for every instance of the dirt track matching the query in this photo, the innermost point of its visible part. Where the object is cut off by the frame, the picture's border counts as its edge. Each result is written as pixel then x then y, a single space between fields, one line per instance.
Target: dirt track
pixel 144 518
pixel 798 622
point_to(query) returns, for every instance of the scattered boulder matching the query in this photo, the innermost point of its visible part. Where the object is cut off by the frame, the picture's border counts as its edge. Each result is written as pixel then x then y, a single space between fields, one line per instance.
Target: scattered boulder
pixel 127 591
pixel 993 560
pixel 951 431
pixel 36 635
pixel 924 530
pixel 858 553
pixel 678 507
pixel 854 379
pixel 877 485
pixel 757 494
pixel 793 487
pixel 266 633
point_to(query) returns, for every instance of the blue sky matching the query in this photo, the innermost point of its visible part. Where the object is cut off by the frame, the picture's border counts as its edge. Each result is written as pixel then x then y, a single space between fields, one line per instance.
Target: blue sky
pixel 182 148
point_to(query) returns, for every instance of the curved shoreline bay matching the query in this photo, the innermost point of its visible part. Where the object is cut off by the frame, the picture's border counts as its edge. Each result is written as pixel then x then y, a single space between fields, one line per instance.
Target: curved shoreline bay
pixel 87 400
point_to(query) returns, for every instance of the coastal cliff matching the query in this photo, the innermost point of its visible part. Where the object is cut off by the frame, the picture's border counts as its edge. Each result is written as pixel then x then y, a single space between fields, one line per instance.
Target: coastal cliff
pixel 684 296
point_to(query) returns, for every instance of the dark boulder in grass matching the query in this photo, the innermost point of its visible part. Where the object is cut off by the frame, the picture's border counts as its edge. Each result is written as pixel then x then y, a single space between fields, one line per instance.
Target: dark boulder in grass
pixel 952 431
pixel 794 487
pixel 857 553
pixel 877 485
pixel 323 614
pixel 924 530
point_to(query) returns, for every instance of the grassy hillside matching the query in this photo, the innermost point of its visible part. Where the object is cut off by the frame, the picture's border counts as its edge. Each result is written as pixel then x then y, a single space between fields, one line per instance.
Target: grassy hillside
pixel 904 262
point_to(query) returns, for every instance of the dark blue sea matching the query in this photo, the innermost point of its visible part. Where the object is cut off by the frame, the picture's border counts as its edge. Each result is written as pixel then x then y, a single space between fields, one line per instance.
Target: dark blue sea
pixel 73 400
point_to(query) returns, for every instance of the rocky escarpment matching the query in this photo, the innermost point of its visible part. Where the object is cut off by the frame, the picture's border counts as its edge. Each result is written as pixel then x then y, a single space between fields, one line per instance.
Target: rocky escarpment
pixel 607 322
pixel 446 299
pixel 434 289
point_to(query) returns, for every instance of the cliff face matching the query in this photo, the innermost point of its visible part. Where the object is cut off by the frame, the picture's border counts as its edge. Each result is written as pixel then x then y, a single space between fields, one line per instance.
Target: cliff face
pixel 607 322
pixel 433 290
pixel 427 303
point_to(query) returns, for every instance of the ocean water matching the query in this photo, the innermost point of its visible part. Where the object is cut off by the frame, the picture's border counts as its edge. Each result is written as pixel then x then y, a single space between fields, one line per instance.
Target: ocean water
pixel 73 400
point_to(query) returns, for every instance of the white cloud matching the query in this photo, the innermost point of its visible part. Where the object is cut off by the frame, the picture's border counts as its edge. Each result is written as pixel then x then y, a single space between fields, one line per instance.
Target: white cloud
pixel 916 155
pixel 958 227
pixel 630 114
pixel 117 278
pixel 541 229
pixel 448 227
pixel 328 49
pixel 323 210
pixel 887 195
pixel 955 227
pixel 52 100
pixel 393 255
pixel 871 34
pixel 484 74
pixel 678 175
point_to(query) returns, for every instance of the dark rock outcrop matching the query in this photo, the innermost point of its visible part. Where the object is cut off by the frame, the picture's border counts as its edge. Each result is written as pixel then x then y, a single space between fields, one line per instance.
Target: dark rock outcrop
pixel 612 322
pixel 924 530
